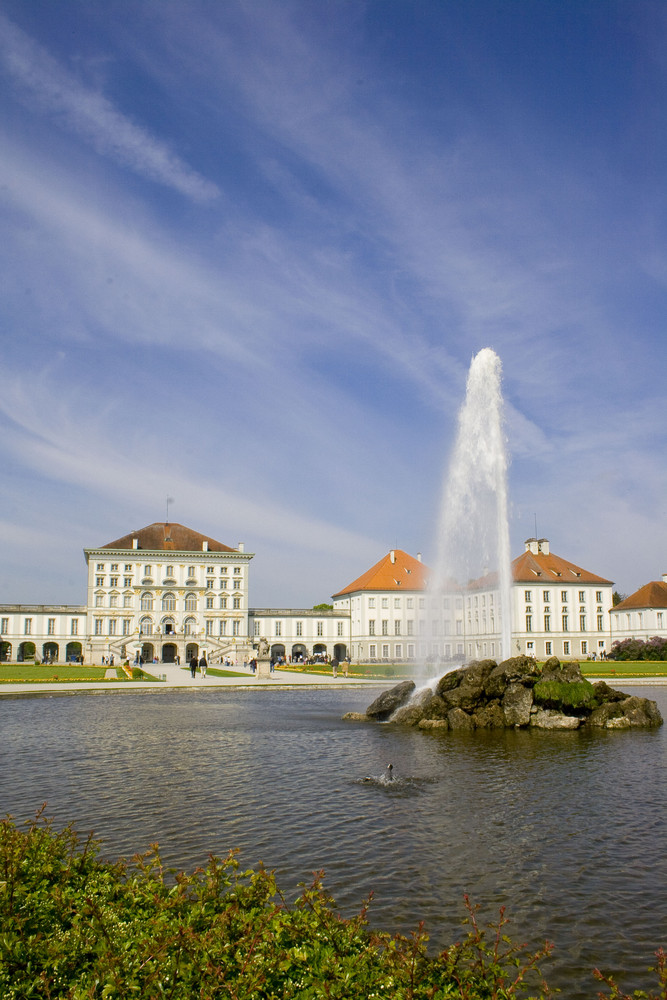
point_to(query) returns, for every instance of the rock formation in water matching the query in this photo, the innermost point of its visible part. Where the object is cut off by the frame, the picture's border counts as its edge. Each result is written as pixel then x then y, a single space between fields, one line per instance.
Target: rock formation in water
pixel 514 693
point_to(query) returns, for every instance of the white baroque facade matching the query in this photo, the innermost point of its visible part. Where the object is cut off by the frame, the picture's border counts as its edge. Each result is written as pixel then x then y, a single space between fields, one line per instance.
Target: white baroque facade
pixel 166 592
pixel 643 614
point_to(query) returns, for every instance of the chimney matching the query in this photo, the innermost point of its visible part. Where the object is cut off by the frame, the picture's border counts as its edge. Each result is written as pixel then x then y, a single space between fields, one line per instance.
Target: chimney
pixel 664 577
pixel 135 543
pixel 241 547
pixel 204 546
pixel 392 556
pixel 532 545
pixel 419 557
pixel 543 546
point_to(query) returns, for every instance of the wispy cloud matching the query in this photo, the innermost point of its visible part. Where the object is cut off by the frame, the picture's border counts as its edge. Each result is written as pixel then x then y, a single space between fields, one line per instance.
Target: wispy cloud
pixel 93 117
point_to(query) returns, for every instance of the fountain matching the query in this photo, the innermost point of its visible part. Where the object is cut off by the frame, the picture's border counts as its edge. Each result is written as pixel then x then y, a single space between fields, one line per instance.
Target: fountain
pixel 469 594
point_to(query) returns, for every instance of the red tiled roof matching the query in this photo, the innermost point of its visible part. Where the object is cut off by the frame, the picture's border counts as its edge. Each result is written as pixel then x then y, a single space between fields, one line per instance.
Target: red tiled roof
pixel 529 568
pixel 168 536
pixel 651 595
pixel 405 573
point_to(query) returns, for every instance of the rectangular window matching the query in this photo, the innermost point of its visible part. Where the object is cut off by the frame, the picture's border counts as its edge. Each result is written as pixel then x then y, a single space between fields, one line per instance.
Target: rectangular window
pixel 236 603
pixel 564 623
pixel 127 600
pixel 385 651
pixel 51 627
pixel 372 651
pixel 385 602
pixel 237 584
pixel 191 570
pixel 113 581
pixel 584 646
pixel 210 569
pixel 236 627
pixel 422 602
pixel 4 626
pixel 658 616
pixel 600 623
pixel 529 623
pixel 582 595
pixel 112 626
pixel 371 626
pixel 371 602
pixel 99 600
pixel 547 648
pixel 582 623
pixel 563 596
pixel 320 628
pixel 411 626
pixel 113 600
pixel 385 626
pixel 397 628
pixel 127 581
pixel 397 602
pixel 256 629
pixel 547 623
pixel 209 603
pixel 598 595
pixel 278 628
pixel 339 628
pixel 98 626
pixel 128 567
pixel 27 626
pixel 566 647
pixel 148 570
pixel 209 584
pixel 100 567
pixel 223 627
pixel 99 581
pixel 223 603
pixel 126 626
pixel 398 651
pixel 527 596
pixel 545 596
pixel 409 603
pixel 299 628
pixel 74 626
pixel 209 627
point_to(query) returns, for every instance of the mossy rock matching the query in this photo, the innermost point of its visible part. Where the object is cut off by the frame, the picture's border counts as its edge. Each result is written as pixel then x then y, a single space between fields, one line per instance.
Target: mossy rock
pixel 577 695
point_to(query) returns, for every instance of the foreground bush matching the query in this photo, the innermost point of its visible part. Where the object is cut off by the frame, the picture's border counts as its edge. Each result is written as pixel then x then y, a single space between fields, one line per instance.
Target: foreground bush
pixel 74 926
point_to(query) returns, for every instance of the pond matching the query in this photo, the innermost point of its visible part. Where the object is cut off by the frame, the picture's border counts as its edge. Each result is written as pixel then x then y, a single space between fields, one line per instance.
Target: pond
pixel 566 829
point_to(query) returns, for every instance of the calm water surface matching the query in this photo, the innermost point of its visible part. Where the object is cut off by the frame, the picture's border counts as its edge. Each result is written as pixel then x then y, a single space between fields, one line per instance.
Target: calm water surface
pixel 568 830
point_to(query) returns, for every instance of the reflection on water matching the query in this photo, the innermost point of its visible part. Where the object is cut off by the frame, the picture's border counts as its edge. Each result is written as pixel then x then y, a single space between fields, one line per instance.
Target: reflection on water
pixel 566 829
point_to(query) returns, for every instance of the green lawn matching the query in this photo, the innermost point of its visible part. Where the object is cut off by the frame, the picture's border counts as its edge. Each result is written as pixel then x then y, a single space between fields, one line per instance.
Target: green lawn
pixel 624 668
pixel 29 672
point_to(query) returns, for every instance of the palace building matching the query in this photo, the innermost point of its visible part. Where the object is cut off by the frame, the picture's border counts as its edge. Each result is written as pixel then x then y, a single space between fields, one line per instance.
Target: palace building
pixel 166 592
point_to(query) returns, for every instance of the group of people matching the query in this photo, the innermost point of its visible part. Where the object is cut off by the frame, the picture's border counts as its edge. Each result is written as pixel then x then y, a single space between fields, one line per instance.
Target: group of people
pixel 201 663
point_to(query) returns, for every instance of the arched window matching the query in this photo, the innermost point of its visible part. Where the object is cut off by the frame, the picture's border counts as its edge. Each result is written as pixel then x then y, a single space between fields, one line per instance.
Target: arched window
pixel 191 602
pixel 146 626
pixel 189 626
pixel 169 602
pixel 147 602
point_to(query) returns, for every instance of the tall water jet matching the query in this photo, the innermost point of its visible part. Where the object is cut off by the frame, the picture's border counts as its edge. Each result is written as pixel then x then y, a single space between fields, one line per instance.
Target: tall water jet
pixel 469 595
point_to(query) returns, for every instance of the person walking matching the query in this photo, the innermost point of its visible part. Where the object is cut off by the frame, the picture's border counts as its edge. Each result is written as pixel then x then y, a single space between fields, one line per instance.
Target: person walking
pixel 203 665
pixel 193 666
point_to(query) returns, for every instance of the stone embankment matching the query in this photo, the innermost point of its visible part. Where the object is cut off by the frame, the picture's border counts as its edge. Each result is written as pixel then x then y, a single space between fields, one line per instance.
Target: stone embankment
pixel 514 693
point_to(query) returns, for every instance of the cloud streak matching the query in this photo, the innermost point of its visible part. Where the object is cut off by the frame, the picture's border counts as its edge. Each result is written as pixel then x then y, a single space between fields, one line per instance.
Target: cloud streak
pixel 93 117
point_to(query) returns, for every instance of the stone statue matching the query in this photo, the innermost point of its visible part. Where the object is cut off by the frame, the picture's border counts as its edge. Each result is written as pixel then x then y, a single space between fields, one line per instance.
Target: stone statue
pixel 263 649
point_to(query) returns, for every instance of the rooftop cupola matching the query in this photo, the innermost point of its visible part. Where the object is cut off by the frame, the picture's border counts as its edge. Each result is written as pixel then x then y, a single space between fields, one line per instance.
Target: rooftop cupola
pixel 538 546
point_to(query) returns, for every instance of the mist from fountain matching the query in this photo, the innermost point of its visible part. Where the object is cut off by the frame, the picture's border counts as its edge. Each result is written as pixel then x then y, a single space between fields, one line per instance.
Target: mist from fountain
pixel 472 552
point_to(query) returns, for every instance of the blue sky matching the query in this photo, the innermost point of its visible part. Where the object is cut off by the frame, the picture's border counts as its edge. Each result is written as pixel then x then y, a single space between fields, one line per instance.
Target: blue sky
pixel 249 250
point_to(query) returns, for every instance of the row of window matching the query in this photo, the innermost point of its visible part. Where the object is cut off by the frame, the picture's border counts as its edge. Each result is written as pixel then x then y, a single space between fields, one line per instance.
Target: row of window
pixel 50 626
pixel 564 598
pixel 123 626
pixel 565 623
pixel 169 570
pixel 298 628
